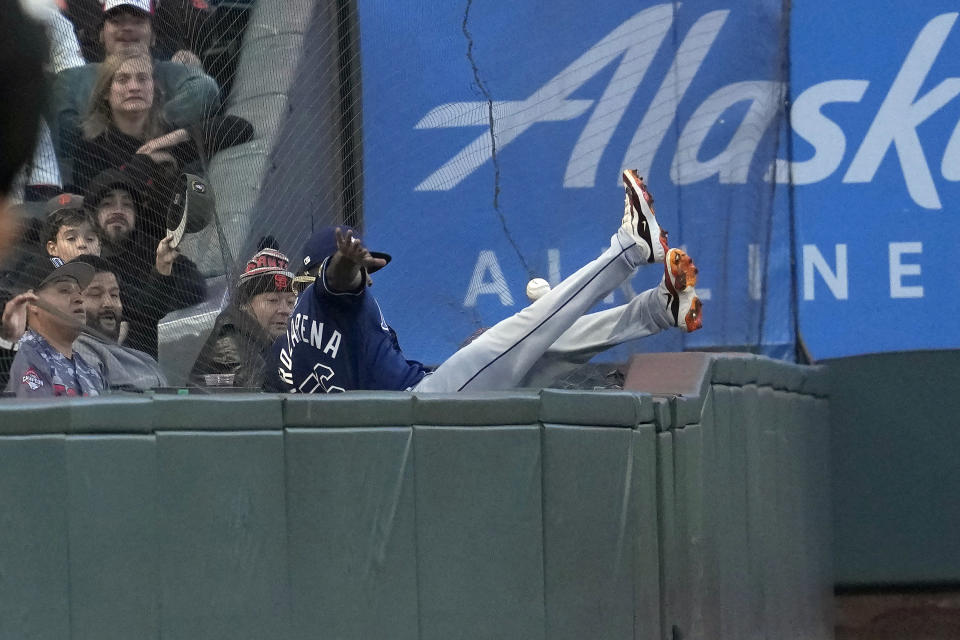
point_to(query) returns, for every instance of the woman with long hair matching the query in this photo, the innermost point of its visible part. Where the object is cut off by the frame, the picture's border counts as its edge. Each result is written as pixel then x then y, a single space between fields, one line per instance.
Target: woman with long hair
pixel 124 114
pixel 124 120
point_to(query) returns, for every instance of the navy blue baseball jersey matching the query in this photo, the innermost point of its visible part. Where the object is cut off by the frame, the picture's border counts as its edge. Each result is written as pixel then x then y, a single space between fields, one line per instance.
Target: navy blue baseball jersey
pixel 341 342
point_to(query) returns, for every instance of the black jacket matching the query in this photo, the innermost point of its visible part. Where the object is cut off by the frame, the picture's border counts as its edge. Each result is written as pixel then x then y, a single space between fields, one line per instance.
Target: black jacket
pixel 237 345
pixel 113 148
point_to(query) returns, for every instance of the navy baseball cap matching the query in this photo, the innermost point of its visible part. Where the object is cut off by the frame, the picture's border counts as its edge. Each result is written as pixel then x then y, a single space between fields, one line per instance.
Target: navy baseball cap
pixel 323 244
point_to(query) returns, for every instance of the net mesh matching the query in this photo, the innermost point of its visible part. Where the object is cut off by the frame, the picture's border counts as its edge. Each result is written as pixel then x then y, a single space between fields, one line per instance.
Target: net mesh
pixel 298 114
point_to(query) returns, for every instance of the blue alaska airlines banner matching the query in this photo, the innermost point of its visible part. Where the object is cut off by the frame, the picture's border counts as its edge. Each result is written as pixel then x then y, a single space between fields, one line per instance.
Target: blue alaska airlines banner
pixel 876 166
pixel 691 94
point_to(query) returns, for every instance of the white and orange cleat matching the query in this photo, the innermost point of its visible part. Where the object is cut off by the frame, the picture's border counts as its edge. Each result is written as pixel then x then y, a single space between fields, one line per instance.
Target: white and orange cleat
pixel 639 219
pixel 677 289
pixel 680 269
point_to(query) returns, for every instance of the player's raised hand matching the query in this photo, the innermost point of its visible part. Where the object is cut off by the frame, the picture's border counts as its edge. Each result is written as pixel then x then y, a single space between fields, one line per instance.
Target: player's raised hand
pixel 353 250
pixel 344 272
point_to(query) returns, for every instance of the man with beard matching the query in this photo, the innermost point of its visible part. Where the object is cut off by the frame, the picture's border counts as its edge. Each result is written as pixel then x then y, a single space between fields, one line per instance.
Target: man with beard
pixel 154 278
pixel 126 368
pixel 46 363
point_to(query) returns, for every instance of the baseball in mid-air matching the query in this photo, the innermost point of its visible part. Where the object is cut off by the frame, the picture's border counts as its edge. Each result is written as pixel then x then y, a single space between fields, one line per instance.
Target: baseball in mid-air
pixel 537 288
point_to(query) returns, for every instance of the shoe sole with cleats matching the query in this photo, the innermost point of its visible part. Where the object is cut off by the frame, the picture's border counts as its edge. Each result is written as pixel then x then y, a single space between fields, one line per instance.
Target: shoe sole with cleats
pixel 679 278
pixel 680 271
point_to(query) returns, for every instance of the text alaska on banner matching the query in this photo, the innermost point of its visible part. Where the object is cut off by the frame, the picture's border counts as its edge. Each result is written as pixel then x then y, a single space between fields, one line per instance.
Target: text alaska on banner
pixel 635 42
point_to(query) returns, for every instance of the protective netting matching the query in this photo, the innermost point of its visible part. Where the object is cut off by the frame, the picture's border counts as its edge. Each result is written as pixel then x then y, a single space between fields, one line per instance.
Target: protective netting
pixel 494 138
pixel 479 143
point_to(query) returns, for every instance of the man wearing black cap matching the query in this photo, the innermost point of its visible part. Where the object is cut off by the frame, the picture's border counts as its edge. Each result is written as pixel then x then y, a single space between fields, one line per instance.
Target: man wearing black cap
pixel 154 278
pixel 237 351
pixel 46 364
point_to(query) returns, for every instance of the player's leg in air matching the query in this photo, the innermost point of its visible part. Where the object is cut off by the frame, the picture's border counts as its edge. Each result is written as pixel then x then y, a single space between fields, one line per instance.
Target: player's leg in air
pixel 502 356
pixel 645 315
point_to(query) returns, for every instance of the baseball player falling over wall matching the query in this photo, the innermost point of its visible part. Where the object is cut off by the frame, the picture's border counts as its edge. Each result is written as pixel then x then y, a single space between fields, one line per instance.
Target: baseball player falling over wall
pixel 338 340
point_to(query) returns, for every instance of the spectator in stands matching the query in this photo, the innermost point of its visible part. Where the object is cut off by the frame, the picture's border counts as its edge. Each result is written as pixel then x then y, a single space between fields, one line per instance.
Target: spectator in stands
pixel 125 120
pixel 46 363
pixel 154 278
pixel 238 348
pixel 70 229
pixel 180 27
pixel 40 179
pixel 189 95
pixel 125 367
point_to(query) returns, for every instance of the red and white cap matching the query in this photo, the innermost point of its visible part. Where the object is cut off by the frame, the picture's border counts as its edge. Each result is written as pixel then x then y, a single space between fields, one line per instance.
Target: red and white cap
pixel 146 6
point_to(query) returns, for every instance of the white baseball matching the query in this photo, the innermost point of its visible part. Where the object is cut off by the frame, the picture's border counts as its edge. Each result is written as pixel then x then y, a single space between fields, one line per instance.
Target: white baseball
pixel 537 288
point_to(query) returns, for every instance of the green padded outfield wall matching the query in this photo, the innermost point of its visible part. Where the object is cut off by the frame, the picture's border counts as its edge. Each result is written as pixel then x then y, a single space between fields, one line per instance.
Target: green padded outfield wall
pixel 527 514
pixel 896 444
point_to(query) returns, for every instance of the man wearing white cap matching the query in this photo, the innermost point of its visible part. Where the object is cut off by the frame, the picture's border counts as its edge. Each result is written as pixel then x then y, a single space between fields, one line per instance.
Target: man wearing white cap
pixel 191 95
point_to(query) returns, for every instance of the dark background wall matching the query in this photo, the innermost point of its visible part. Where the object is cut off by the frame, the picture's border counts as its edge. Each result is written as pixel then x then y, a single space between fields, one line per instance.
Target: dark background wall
pixel 896 468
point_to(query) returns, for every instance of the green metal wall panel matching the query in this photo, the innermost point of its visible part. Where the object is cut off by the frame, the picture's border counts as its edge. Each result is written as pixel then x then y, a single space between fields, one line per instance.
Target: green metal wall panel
pixel 646 581
pixel 228 412
pixel 804 514
pixel 34 574
pixel 767 509
pixel 595 408
pixel 340 409
pixel 733 560
pixel 688 495
pixel 479 532
pixel 477 408
pixel 895 468
pixel 34 417
pixel 706 523
pixel 223 553
pixel 589 520
pixel 113 534
pixel 820 471
pixel 712 520
pixel 671 575
pixel 748 433
pixel 122 413
pixel 352 537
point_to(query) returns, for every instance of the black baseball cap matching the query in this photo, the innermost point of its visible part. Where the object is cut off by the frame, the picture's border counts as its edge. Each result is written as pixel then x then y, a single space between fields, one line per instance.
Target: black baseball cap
pixel 110 179
pixel 62 202
pixel 41 271
pixel 323 244
pixel 191 208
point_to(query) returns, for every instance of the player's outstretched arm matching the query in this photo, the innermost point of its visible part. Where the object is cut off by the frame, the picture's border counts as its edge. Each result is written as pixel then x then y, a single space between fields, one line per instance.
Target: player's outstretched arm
pixel 345 271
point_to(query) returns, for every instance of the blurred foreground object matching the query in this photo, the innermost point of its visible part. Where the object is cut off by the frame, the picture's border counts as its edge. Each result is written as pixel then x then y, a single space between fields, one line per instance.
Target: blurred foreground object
pixel 23 53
